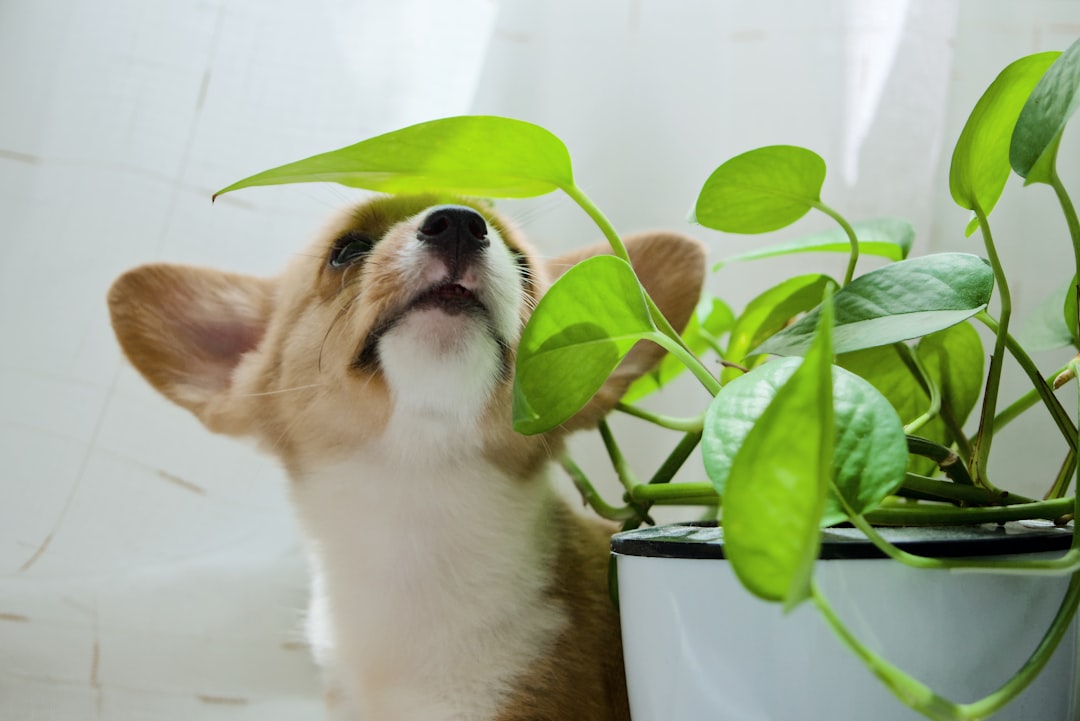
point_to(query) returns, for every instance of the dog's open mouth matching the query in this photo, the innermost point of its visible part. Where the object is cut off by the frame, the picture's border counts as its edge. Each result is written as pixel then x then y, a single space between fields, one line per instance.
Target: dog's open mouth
pixel 449 297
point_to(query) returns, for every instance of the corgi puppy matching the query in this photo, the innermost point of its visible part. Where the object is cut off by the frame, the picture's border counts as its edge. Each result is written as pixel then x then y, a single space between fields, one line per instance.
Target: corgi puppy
pixel 448 580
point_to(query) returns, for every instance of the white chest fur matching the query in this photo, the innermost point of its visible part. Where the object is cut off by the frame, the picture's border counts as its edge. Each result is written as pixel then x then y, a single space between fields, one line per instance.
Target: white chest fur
pixel 429 570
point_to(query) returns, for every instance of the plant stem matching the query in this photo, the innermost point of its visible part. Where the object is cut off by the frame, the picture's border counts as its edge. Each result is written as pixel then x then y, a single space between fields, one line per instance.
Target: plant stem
pixel 711 501
pixel 1046 393
pixel 590 495
pixel 1021 404
pixel 985 435
pixel 703 493
pixel 958 493
pixel 909 690
pixel 956 431
pixel 1067 563
pixel 994 702
pixel 598 217
pixel 923 699
pixel 853 258
pixel 618 461
pixel 915 365
pixel 1075 365
pixel 1074 225
pixel 1064 477
pixel 690 494
pixel 676 458
pixel 946 460
pixel 677 348
pixel 665 473
pixel 948 515
pixel 938 406
pixel 919 696
pixel 676 424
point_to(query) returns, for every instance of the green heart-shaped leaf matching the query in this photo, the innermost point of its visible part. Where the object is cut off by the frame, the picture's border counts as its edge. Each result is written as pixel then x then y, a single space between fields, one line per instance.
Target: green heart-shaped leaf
pixel 953 360
pixel 884 369
pixel 871 450
pixel 774 490
pixel 761 190
pixel 772 310
pixel 884 237
pixel 980 161
pixel 580 330
pixel 481 156
pixel 903 300
pixel 1034 143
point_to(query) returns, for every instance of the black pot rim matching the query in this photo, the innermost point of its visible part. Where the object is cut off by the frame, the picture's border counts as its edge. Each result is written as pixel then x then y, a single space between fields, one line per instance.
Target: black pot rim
pixel 706 541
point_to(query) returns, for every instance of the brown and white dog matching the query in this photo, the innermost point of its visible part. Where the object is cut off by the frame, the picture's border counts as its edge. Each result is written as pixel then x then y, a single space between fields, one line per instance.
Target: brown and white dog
pixel 449 581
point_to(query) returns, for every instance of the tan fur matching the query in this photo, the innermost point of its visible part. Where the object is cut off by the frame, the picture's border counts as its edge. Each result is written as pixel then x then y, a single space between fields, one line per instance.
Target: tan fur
pixel 186 329
pixel 275 359
pixel 583 677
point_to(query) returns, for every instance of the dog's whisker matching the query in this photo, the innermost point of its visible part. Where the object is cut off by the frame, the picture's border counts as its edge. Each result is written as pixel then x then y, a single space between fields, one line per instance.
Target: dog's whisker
pixel 525 215
pixel 294 421
pixel 302 254
pixel 342 311
pixel 281 391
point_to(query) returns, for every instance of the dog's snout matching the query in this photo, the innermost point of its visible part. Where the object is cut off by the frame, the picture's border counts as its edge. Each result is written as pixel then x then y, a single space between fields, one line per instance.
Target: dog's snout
pixel 454 230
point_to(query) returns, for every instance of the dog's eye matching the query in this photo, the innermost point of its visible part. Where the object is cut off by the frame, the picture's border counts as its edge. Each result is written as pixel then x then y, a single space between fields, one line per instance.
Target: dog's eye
pixel 350 248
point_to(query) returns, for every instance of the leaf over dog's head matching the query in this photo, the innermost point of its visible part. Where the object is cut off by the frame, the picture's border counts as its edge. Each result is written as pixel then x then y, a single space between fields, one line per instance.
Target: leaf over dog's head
pixel 671 267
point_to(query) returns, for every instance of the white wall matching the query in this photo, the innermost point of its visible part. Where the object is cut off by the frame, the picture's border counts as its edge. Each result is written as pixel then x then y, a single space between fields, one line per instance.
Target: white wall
pixel 148 569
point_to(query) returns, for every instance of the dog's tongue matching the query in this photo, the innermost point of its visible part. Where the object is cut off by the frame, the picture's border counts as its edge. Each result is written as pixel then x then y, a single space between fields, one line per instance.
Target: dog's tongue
pixel 451 298
pixel 452 290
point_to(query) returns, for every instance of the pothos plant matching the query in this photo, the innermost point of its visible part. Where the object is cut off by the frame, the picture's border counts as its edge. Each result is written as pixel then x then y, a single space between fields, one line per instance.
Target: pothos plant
pixel 881 369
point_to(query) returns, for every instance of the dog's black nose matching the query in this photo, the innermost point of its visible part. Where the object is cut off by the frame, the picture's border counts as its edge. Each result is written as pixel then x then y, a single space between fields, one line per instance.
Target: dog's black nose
pixel 455 231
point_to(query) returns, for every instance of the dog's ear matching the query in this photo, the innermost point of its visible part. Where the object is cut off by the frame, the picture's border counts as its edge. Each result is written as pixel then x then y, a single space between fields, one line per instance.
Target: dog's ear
pixel 186 329
pixel 672 269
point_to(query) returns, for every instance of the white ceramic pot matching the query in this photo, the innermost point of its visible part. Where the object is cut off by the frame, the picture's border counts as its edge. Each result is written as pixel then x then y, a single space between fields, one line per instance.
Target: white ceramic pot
pixel 698 646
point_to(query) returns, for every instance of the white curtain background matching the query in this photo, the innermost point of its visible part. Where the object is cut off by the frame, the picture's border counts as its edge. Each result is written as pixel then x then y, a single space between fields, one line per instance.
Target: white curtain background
pixel 151 570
